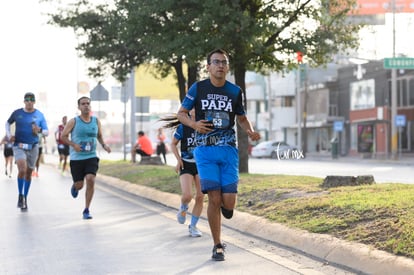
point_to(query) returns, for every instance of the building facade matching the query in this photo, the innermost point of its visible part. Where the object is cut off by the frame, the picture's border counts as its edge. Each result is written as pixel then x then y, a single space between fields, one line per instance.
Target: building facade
pixel 348 104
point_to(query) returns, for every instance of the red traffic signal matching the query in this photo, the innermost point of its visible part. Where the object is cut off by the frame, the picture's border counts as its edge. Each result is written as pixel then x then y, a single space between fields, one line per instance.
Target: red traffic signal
pixel 299 56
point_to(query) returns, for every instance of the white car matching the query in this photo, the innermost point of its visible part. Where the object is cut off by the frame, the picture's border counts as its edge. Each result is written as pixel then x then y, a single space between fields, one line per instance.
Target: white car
pixel 271 149
pixel 127 147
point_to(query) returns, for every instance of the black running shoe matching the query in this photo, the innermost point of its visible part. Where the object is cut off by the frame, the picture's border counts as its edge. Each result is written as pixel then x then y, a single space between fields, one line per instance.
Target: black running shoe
pixel 20 201
pixel 228 214
pixel 24 204
pixel 218 252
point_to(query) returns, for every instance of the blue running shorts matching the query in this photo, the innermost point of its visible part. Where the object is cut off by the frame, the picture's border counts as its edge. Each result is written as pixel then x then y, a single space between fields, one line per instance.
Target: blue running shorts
pixel 218 168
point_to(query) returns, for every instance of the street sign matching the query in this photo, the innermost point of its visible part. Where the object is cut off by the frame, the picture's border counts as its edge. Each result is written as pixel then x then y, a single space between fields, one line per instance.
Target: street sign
pixel 400 120
pixel 399 63
pixel 338 126
pixel 142 104
pixel 99 93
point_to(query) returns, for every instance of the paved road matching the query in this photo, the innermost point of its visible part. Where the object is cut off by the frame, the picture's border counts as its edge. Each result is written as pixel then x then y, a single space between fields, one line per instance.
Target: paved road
pixel 128 235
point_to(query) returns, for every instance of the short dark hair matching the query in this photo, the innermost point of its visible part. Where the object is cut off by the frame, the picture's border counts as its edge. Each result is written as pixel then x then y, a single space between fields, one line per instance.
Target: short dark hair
pixel 141 133
pixel 83 97
pixel 216 51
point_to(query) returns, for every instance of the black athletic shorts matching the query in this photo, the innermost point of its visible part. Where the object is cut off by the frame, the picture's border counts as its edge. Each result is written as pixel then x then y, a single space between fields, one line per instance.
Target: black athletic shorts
pixel 80 168
pixel 8 152
pixel 63 149
pixel 189 168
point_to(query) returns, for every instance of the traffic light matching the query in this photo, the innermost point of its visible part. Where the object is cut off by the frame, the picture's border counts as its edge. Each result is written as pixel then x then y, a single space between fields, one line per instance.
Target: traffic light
pixel 299 56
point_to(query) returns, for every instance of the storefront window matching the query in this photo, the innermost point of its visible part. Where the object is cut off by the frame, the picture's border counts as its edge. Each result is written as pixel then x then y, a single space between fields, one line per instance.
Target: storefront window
pixel 365 138
pixel 405 92
pixel 411 92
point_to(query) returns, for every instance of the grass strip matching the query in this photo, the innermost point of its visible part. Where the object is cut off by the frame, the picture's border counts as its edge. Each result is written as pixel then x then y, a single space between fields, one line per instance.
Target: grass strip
pixel 379 215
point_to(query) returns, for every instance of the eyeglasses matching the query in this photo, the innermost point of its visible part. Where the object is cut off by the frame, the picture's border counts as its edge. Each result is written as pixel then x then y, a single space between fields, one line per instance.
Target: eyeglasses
pixel 218 62
pixel 29 99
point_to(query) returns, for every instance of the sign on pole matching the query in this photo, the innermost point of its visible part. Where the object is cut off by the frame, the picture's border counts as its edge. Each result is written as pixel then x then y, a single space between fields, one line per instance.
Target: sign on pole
pixel 99 93
pixel 399 63
pixel 338 126
pixel 400 120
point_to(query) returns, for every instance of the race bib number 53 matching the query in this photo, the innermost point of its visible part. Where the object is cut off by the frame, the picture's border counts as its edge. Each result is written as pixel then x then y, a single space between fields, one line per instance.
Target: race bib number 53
pixel 219 119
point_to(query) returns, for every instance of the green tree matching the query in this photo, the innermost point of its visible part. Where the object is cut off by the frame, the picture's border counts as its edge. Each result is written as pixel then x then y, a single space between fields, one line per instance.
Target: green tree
pixel 266 35
pixel 260 35
pixel 171 37
pixel 109 37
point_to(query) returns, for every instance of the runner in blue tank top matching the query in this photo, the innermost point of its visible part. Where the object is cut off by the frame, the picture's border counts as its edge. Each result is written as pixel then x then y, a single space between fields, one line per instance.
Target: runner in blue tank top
pixel 217 104
pixel 29 123
pixel 85 132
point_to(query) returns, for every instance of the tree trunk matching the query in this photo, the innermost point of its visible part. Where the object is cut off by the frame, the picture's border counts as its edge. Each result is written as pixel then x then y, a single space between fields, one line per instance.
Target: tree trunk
pixel 184 84
pixel 242 138
pixel 192 72
pixel 178 66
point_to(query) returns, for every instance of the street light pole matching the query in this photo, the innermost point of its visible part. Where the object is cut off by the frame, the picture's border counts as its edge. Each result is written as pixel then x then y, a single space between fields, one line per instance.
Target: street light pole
pixel 124 99
pixel 299 56
pixel 299 109
pixel 133 132
pixel 269 107
pixel 394 134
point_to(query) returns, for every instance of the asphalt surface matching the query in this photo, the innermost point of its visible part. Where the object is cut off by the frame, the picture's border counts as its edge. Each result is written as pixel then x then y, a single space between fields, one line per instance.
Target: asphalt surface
pixel 128 235
pixel 327 248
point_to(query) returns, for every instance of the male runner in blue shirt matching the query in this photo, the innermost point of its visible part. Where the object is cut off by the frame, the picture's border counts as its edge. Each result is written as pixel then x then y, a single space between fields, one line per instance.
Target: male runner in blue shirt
pixel 29 123
pixel 218 103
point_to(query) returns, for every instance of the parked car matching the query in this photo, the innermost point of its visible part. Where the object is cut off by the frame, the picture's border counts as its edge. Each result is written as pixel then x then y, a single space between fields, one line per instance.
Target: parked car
pixel 127 147
pixel 271 149
pixel 286 151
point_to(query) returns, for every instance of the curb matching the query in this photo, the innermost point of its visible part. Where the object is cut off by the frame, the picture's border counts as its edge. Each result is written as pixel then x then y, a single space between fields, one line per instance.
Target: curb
pixel 356 256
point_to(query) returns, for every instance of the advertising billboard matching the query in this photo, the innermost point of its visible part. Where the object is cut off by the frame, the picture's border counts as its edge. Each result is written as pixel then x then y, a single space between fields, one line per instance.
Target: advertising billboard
pixel 362 94
pixel 371 7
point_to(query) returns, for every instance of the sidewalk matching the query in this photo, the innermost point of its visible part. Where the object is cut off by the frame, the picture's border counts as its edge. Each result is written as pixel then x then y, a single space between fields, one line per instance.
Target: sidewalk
pixel 327 248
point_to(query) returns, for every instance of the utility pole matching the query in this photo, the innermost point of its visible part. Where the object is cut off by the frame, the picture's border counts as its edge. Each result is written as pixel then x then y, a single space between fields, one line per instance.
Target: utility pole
pixel 299 110
pixel 269 106
pixel 394 134
pixel 305 112
pixel 124 99
pixel 131 87
pixel 298 101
